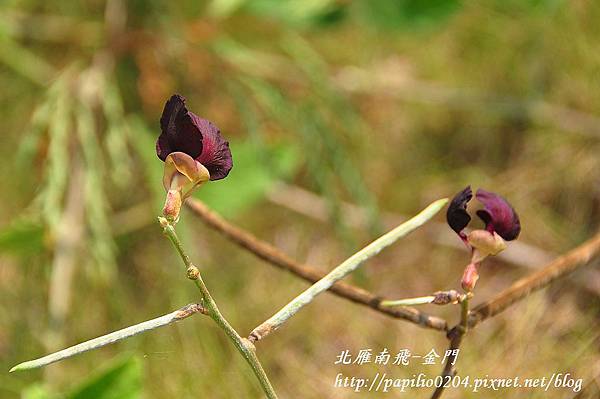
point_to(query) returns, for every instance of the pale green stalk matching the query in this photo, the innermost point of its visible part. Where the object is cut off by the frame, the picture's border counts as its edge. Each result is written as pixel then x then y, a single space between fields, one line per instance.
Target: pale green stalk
pixel 345 268
pixel 244 346
pixel 104 340
pixel 437 298
pixel 422 300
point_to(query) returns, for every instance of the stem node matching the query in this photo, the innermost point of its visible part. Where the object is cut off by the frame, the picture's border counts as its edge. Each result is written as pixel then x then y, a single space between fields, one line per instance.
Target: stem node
pixel 193 273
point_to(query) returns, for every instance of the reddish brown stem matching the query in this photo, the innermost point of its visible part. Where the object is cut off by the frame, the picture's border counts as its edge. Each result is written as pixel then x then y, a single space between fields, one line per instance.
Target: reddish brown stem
pixel 562 266
pixel 275 257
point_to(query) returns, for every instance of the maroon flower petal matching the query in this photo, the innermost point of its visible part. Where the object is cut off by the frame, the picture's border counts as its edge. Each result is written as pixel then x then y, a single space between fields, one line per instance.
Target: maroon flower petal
pixel 184 131
pixel 498 215
pixel 178 130
pixel 163 148
pixel 457 215
pixel 215 156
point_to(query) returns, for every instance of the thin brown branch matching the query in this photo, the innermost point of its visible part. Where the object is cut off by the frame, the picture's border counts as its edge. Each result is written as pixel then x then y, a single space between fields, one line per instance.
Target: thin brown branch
pixel 562 266
pixel 345 268
pixel 313 206
pixel 275 257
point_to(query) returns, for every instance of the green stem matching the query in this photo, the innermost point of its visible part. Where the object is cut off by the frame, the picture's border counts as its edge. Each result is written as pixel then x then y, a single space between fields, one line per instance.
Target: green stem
pixel 464 314
pixel 244 346
pixel 115 336
pixel 422 300
pixel 345 268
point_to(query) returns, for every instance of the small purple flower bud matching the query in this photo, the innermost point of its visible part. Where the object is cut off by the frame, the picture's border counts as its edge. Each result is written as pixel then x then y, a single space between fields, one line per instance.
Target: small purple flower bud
pixel 470 277
pixel 498 215
pixel 184 131
pixel 457 215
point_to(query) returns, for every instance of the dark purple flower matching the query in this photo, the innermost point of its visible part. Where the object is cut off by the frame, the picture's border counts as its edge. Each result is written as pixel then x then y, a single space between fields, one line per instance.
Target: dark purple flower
pixel 497 214
pixel 184 131
pixel 457 215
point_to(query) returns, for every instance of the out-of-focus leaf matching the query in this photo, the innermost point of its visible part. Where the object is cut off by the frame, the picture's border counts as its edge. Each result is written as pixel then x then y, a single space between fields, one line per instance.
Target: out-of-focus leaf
pixel 23 237
pixel 145 147
pixel 224 8
pixel 36 391
pixel 96 201
pixel 254 172
pixel 117 135
pixel 120 380
pixel 21 60
pixel 528 6
pixel 296 12
pixel 328 161
pixel 407 13
pixel 247 59
pixel 58 161
pixel 30 142
pixel 41 118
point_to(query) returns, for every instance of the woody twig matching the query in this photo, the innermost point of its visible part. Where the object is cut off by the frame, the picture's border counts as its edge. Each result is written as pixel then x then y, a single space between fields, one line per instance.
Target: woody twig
pixel 580 256
pixel 342 270
pixel 564 265
pixel 277 258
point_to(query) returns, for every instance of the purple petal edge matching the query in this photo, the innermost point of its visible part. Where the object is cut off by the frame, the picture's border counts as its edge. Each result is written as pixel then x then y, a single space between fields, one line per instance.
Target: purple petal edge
pixel 457 215
pixel 178 130
pixel 498 215
pixel 216 155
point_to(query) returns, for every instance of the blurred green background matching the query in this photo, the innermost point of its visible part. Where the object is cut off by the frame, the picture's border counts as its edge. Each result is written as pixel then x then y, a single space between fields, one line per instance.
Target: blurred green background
pixel 386 105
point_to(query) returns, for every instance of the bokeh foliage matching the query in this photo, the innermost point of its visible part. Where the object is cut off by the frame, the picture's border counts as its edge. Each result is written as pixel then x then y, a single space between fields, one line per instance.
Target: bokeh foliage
pixel 385 104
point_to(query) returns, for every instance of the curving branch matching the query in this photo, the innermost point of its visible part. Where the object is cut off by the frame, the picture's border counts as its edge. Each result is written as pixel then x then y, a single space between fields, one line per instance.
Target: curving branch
pixel 345 268
pixel 267 252
pixel 244 346
pixel 521 289
pixel 562 266
pixel 313 206
pixel 578 257
pixel 113 337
